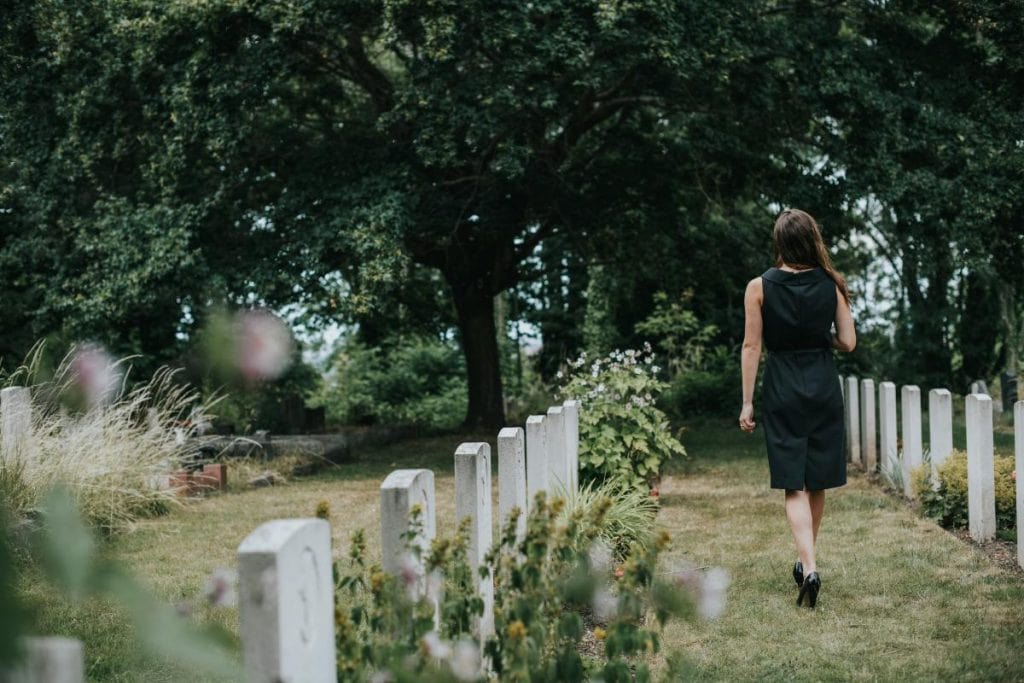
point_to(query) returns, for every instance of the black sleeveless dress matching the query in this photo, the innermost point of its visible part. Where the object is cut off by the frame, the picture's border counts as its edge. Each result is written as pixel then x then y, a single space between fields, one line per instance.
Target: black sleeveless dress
pixel 802 406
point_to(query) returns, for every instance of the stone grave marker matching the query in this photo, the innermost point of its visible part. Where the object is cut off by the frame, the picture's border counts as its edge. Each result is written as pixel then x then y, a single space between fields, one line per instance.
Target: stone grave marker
pixel 981 491
pixel 558 466
pixel 536 456
pixel 940 426
pixel 15 422
pixel 853 422
pixel 913 451
pixel 401 490
pixel 48 659
pixel 512 478
pixel 571 410
pixel 888 453
pixel 868 427
pixel 473 501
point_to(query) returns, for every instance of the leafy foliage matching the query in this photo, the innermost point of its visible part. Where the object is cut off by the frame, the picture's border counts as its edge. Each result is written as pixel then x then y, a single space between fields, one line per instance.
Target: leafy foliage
pixel 624 437
pixel 408 380
pixel 545 581
pixel 947 504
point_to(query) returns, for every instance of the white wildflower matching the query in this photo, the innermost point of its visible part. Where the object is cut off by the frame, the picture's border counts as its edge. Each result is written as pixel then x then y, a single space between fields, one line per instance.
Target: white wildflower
pixel 465 661
pixel 220 588
pixel 435 647
pixel 712 593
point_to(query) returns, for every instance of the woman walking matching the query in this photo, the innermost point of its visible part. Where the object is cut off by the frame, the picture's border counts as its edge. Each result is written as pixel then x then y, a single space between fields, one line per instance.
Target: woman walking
pixel 793 309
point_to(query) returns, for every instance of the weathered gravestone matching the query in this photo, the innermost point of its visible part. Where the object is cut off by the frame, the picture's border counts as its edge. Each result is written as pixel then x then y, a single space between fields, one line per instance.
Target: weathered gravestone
pixel 401 491
pixel 887 426
pixel 15 422
pixel 286 603
pixel 868 428
pixel 558 464
pixel 473 501
pixel 913 450
pixel 981 492
pixel 512 478
pixel 536 456
pixel 852 421
pixel 1018 441
pixel 571 410
pixel 940 426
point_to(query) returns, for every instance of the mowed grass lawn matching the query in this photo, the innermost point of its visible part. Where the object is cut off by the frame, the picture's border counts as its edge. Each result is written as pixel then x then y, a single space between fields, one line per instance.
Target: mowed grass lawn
pixel 902 599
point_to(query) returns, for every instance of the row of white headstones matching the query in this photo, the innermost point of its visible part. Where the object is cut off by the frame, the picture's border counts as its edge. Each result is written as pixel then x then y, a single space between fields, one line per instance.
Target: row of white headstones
pixel 286 589
pixel 869 446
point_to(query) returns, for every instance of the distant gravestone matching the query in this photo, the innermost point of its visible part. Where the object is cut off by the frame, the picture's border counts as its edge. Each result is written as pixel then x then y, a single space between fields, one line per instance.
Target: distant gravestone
pixel 940 426
pixel 536 456
pixel 853 421
pixel 913 450
pixel 558 465
pixel 981 493
pixel 15 422
pixel 868 427
pixel 888 453
pixel 571 409
pixel 1018 440
pixel 512 478
pixel 286 603
pixel 402 490
pixel 48 660
pixel 473 501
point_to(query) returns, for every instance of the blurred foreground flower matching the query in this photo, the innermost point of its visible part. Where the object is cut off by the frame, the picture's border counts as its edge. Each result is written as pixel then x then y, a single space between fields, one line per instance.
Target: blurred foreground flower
pixel 96 373
pixel 465 661
pixel 220 588
pixel 263 345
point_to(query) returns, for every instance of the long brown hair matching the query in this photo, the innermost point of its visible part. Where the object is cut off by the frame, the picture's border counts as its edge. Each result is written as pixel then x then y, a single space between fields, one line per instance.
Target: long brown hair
pixel 798 242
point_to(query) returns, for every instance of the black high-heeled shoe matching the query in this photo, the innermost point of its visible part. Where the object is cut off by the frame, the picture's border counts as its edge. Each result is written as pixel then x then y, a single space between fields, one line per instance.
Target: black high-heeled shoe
pixel 798 573
pixel 812 584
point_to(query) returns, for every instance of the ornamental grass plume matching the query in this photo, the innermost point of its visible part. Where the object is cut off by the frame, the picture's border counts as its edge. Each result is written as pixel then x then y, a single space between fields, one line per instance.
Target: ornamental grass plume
pixel 111 451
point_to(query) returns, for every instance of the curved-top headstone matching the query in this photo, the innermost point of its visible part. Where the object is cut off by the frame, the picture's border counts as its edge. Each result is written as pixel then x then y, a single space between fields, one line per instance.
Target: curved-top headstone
pixel 400 492
pixel 286 602
pixel 558 465
pixel 473 501
pixel 536 456
pixel 512 478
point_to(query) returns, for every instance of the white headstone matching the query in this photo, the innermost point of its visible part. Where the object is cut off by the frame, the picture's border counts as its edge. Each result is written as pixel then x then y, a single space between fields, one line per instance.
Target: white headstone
pixel 473 500
pixel 1018 440
pixel 558 466
pixel 889 456
pixel 846 417
pixel 536 456
pixel 940 426
pixel 981 488
pixel 913 450
pixel 571 410
pixel 48 660
pixel 400 492
pixel 15 422
pixel 512 478
pixel 852 421
pixel 286 602
pixel 868 427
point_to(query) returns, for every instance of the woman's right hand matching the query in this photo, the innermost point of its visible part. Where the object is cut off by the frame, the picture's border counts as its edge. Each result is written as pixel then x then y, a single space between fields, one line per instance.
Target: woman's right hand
pixel 747 423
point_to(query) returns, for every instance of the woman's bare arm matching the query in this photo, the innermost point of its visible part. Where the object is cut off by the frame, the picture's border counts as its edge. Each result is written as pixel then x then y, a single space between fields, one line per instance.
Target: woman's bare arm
pixel 846 334
pixel 750 357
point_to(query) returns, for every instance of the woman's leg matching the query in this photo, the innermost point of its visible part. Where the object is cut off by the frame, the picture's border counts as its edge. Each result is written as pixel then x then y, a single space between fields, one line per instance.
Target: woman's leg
pixel 801 523
pixel 817 500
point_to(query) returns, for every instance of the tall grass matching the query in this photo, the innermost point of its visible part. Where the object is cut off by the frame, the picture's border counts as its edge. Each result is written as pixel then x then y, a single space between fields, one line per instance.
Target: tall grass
pixel 113 458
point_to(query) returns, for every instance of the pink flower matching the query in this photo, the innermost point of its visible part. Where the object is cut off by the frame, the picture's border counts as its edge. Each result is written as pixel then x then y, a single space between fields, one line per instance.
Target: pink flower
pixel 263 345
pixel 95 372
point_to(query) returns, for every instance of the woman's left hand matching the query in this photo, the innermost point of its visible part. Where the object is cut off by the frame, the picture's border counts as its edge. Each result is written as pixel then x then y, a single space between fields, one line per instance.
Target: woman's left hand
pixel 747 423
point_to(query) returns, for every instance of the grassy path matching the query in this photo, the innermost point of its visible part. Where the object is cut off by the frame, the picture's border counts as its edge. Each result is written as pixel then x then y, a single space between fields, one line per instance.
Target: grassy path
pixel 902 599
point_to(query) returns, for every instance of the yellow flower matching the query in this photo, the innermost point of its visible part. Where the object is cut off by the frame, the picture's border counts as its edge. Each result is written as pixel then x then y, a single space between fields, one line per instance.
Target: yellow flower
pixel 516 630
pixel 600 633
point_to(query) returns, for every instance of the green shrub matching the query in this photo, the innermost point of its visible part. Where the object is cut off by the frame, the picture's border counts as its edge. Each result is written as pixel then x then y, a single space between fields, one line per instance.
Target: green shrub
pixel 948 504
pixel 417 380
pixel 630 518
pixel 624 436
pixel 712 389
pixel 270 404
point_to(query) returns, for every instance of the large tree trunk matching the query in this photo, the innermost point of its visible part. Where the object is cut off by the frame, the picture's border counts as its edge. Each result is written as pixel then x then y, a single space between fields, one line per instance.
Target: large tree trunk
pixel 475 307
